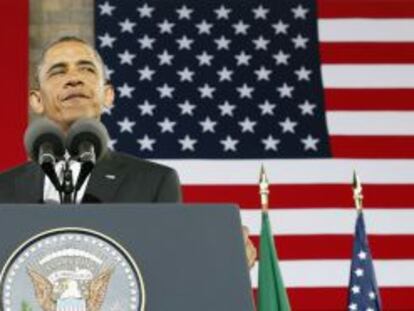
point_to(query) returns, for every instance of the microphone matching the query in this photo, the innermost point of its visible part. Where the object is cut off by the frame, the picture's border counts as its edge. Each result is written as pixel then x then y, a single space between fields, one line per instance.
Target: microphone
pixel 44 142
pixel 87 141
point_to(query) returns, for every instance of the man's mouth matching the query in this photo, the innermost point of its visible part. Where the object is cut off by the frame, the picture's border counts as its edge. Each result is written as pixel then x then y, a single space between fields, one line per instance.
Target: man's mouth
pixel 74 95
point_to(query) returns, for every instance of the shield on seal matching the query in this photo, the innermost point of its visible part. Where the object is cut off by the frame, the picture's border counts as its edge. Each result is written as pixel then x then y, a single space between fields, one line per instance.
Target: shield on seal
pixel 71 299
pixel 71 304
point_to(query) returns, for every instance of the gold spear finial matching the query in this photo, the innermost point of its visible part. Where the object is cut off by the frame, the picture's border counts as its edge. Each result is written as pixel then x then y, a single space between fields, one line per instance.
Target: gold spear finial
pixel 357 189
pixel 264 189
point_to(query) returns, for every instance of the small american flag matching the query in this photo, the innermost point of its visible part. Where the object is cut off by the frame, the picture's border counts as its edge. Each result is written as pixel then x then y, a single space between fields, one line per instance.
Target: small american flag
pixel 363 290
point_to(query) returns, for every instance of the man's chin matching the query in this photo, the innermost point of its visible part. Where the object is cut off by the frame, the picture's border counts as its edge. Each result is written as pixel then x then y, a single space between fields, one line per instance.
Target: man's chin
pixel 66 122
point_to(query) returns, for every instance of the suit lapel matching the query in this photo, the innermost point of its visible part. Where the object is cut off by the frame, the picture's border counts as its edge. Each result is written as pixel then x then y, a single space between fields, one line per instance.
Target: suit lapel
pixel 105 180
pixel 29 186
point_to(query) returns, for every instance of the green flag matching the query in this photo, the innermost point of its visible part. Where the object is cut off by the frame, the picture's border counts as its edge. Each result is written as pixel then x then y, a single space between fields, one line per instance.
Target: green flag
pixel 272 292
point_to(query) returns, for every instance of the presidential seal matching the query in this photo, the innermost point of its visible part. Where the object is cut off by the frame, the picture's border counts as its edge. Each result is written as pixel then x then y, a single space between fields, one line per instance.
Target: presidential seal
pixel 71 269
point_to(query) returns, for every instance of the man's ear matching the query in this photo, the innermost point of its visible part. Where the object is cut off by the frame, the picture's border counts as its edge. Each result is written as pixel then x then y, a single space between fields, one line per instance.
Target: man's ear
pixel 35 101
pixel 109 95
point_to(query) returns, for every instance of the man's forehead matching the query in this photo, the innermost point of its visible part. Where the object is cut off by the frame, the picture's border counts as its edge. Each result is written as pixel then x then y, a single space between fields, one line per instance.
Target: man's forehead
pixel 69 51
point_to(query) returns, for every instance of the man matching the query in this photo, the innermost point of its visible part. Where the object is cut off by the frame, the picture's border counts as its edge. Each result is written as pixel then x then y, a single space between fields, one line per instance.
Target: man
pixel 71 85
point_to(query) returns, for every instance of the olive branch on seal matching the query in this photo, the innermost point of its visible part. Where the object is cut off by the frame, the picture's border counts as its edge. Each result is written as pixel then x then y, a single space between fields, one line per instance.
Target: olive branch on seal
pixel 26 307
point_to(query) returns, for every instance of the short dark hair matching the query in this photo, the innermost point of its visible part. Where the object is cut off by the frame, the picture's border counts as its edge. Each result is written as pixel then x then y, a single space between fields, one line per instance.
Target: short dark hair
pixel 62 40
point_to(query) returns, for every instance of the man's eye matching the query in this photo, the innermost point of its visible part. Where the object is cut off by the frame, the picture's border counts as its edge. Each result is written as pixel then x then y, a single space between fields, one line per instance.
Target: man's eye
pixel 55 72
pixel 88 69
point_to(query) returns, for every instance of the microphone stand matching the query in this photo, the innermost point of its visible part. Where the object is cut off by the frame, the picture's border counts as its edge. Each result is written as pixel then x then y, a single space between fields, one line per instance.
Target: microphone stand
pixel 87 158
pixel 85 171
pixel 67 185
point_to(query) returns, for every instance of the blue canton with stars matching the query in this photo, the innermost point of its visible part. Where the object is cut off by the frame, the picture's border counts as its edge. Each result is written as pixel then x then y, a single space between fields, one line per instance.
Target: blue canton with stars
pixel 213 79
pixel 363 292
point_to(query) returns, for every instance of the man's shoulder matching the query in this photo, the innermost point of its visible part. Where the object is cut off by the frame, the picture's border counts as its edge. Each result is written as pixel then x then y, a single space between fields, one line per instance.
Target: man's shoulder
pixel 22 174
pixel 17 171
pixel 156 182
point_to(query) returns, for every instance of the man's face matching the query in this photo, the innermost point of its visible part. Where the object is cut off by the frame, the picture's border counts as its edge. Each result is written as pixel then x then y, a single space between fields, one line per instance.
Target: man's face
pixel 71 85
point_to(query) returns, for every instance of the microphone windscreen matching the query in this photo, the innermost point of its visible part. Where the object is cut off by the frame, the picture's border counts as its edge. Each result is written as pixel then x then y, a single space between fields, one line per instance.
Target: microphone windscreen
pixel 40 131
pixel 87 130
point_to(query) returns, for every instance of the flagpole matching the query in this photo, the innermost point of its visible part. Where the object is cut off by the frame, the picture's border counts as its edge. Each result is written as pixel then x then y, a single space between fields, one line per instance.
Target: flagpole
pixel 357 190
pixel 272 295
pixel 264 189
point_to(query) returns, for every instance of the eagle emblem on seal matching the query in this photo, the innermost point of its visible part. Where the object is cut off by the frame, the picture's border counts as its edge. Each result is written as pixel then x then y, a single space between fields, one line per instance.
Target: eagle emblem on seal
pixel 68 294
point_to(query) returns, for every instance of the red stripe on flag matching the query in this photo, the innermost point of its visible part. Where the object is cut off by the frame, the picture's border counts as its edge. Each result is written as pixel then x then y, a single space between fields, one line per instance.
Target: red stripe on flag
pixel 372 147
pixel 308 247
pixel 335 299
pixel 369 99
pixel 303 195
pixel 321 299
pixel 367 53
pixel 365 8
pixel 14 59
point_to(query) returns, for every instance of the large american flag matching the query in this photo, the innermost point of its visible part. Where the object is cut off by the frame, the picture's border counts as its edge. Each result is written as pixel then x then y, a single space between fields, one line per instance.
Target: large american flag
pixel 311 90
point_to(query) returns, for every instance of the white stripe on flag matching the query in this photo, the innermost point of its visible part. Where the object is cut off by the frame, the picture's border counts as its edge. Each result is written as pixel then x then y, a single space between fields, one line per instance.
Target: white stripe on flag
pixel 279 171
pixel 335 273
pixel 330 221
pixel 368 76
pixel 366 30
pixel 370 123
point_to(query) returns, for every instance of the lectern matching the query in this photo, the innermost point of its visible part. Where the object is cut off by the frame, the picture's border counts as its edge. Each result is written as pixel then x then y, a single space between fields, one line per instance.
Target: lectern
pixel 123 257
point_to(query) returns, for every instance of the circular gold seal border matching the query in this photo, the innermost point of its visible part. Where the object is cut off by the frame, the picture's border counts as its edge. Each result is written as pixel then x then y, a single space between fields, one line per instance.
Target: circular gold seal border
pixel 77 230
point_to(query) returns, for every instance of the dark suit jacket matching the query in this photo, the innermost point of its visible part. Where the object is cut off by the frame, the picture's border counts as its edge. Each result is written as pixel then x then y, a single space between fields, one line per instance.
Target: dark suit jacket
pixel 116 178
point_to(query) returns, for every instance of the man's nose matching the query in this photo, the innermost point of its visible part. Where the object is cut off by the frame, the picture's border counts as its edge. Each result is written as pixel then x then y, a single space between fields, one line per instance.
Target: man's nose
pixel 74 80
